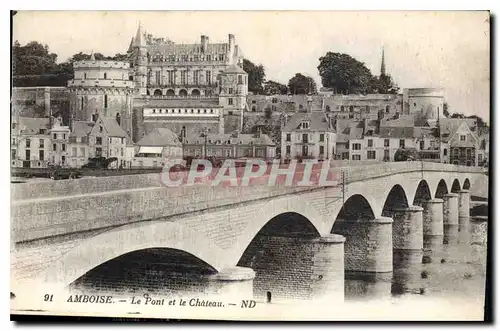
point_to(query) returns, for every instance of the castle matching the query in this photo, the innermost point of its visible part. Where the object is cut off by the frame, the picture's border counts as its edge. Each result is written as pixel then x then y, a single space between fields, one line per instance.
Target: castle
pixel 198 88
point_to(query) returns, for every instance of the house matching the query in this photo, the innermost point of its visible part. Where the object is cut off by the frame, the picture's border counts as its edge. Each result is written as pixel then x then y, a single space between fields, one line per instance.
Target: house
pixel 308 135
pixel 233 145
pixel 159 145
pixel 30 142
pixel 59 135
pixel 79 143
pixel 107 139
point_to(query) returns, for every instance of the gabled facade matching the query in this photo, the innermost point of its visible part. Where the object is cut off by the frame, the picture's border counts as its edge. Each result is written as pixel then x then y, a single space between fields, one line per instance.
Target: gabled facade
pixel 107 139
pixel 308 136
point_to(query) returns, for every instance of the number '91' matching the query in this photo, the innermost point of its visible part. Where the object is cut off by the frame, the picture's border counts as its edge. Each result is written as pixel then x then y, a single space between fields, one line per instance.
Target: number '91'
pixel 48 297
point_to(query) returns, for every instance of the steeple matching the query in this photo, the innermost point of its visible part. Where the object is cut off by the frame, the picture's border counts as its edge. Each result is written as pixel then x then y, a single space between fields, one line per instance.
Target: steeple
pixel 92 57
pixel 131 46
pixel 382 66
pixel 139 37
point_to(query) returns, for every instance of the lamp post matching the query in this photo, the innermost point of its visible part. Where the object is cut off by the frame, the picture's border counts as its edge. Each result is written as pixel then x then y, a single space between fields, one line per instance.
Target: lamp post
pixel 205 133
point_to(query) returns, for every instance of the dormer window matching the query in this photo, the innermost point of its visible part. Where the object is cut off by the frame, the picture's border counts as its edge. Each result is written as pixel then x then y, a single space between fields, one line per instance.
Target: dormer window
pixel 305 125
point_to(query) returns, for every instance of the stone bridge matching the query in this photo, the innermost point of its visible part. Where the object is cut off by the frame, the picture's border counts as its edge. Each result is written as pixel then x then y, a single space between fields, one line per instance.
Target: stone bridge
pixel 76 231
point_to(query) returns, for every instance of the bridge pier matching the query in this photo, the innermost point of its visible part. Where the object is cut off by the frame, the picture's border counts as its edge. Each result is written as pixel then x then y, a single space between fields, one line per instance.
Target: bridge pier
pixel 464 216
pixel 327 278
pixel 450 218
pixel 294 268
pixel 232 283
pixel 368 246
pixel 407 235
pixel 433 230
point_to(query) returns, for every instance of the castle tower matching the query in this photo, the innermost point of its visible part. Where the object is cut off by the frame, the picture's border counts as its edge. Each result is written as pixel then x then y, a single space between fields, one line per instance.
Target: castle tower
pixel 140 61
pixel 233 90
pixel 102 88
pixel 382 65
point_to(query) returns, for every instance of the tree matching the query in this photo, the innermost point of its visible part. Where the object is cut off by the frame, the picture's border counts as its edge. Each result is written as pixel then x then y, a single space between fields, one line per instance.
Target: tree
pixel 256 76
pixel 300 84
pixel 345 74
pixel 385 85
pixel 32 59
pixel 405 154
pixel 457 115
pixel 271 87
pixel 446 112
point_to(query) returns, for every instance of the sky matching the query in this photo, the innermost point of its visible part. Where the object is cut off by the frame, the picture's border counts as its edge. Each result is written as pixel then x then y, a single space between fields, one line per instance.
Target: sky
pixel 447 49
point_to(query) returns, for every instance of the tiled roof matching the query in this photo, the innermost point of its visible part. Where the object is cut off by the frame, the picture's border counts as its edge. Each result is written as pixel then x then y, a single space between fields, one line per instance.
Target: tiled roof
pixel 160 137
pixel 426 132
pixel 396 132
pixel 81 128
pixel 318 122
pixel 33 124
pixel 402 121
pixel 112 127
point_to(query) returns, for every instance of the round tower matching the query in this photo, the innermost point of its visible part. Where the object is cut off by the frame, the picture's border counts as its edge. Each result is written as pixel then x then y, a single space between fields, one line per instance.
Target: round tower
pixel 102 88
pixel 426 103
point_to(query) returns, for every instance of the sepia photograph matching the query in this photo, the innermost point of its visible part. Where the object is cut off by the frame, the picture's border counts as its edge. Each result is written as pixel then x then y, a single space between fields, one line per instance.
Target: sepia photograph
pixel 250 165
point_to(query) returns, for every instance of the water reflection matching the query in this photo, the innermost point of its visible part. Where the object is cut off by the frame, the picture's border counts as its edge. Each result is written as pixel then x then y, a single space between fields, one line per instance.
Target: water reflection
pixel 449 267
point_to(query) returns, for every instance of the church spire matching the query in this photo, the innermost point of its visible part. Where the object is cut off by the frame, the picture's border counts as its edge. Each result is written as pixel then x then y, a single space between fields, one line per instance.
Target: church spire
pixel 382 65
pixel 92 57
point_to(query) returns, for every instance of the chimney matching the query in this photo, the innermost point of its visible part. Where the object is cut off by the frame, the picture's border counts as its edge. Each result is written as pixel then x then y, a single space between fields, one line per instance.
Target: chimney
pixel 231 44
pixel 204 43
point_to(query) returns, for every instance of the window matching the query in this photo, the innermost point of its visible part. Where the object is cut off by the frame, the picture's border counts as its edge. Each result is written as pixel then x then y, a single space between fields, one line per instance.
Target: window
pixel 356 147
pixel 157 77
pixel 121 151
pixel 253 109
pixel 13 153
pixel 183 77
pixel 387 109
pixel 13 141
pixel 105 76
pixel 422 144
pixel 64 136
pixel 41 155
pixel 240 79
pixel 445 152
pixel 462 137
pixel 82 151
pixel 479 157
pixel 64 147
pixel 221 57
pixel 231 90
pixel 98 140
pixel 118 119
pixel 321 149
pixel 356 157
pixel 341 108
pixel 371 155
pixel 305 138
pixel 40 143
pixel 288 149
pixel 84 75
pixel 230 101
pixel 208 77
pixel 305 125
pixel 63 159
pixel 401 143
pixel 386 155
pixel 305 150
pixel 54 147
pixel 105 101
pixel 351 108
pixel 73 151
pixel 28 143
pixel 370 142
pixel 469 153
pixel 321 137
pixel 288 137
pixel 273 108
pixel 100 128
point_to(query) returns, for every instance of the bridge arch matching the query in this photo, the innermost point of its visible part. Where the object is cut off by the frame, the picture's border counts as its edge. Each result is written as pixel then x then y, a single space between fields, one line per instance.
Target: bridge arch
pixel 466 185
pixel 441 189
pixel 396 198
pixel 280 256
pixel 356 207
pixel 455 187
pixel 422 194
pixel 127 239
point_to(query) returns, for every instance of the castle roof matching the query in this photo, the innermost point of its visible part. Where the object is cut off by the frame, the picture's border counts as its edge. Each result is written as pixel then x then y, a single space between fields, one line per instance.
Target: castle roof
pixel 234 69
